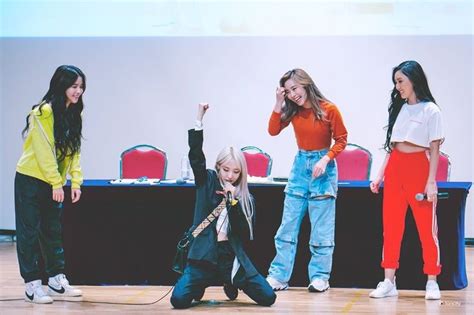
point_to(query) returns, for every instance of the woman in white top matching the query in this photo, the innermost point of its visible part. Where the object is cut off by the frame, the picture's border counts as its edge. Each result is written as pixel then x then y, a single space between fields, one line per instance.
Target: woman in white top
pixel 414 135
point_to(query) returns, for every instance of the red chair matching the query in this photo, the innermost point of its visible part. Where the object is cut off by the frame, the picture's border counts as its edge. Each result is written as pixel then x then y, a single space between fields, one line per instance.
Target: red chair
pixel 143 160
pixel 444 168
pixel 354 163
pixel 259 163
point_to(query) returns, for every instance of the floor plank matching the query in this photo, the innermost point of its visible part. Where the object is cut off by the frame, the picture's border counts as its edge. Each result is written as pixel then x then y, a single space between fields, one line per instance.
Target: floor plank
pixel 293 301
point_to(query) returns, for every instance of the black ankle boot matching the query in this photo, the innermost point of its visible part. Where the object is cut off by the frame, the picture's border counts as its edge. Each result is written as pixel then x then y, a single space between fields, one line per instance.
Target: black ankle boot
pixel 231 291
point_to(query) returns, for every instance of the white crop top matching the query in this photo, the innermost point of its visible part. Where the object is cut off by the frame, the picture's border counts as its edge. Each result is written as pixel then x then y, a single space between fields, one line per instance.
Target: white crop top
pixel 419 124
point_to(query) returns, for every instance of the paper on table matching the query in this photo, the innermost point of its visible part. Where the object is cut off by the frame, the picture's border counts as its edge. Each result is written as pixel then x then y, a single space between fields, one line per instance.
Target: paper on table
pixel 264 180
pixel 139 181
pixel 260 180
pixel 178 181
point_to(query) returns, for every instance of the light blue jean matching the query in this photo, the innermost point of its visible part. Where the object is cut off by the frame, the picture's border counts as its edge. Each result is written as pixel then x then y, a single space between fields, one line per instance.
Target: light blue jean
pixel 318 197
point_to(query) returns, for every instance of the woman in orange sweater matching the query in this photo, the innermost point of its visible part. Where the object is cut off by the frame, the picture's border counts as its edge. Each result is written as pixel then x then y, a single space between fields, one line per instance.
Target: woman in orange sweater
pixel 312 184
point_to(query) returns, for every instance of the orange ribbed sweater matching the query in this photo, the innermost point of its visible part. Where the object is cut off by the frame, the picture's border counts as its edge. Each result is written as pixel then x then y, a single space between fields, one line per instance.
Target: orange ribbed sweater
pixel 312 134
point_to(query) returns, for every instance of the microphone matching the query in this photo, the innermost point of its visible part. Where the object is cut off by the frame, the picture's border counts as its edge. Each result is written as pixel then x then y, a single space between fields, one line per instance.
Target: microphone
pixel 229 196
pixel 423 196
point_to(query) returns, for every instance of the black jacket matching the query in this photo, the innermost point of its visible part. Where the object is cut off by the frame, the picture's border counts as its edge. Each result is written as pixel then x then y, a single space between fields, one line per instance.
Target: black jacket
pixel 204 247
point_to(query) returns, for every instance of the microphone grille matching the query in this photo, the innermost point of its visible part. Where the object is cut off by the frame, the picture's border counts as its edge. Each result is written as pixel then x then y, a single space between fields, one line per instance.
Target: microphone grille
pixel 420 196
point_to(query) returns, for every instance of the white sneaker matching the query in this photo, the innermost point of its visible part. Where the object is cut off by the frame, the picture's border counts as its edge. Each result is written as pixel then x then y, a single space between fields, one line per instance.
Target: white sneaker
pixel 277 285
pixel 58 286
pixel 318 285
pixel 35 294
pixel 384 289
pixel 432 290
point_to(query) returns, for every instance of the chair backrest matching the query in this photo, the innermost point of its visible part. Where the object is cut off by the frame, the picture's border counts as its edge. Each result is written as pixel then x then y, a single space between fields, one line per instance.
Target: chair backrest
pixel 259 163
pixel 444 168
pixel 143 160
pixel 354 163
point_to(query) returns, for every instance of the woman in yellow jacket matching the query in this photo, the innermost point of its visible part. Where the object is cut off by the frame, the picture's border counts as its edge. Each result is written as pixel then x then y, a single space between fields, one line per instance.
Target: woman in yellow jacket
pixel 51 151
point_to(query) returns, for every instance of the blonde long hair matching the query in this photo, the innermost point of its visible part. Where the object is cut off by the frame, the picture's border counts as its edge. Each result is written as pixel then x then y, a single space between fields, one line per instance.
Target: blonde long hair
pixel 241 185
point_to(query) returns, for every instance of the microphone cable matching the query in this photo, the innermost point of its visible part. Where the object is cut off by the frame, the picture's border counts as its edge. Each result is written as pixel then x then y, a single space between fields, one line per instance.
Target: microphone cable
pixel 101 302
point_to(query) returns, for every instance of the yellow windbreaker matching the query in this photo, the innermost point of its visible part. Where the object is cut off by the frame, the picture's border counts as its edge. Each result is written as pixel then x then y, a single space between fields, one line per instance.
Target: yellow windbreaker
pixel 39 154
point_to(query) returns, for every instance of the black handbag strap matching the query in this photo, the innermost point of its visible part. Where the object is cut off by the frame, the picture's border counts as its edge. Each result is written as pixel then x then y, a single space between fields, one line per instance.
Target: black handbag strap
pixel 211 217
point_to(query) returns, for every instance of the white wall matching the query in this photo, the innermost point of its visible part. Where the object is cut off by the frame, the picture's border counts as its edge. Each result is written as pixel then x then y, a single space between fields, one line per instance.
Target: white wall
pixel 145 90
pixel 110 18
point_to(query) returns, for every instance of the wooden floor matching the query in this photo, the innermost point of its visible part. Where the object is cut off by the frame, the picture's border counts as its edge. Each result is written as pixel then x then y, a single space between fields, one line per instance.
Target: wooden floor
pixel 293 301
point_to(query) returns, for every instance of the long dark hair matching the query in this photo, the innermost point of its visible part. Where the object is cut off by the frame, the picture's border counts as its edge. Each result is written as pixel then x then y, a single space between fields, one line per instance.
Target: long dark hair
pixel 417 77
pixel 67 120
pixel 313 93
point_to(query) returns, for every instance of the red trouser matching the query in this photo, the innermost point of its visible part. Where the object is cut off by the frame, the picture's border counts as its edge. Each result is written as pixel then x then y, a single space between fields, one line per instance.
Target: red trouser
pixel 405 176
